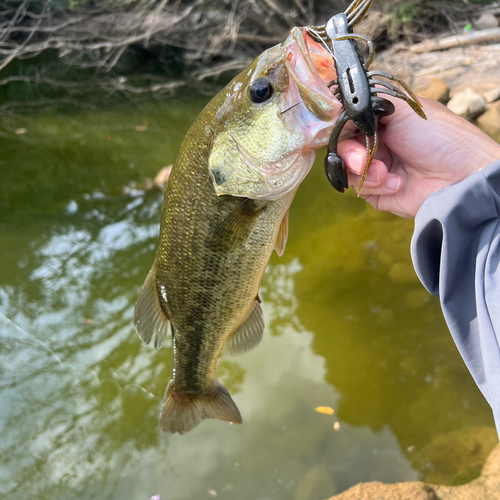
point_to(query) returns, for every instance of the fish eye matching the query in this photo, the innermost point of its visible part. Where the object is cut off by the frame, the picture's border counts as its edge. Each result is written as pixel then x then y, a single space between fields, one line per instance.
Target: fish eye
pixel 261 90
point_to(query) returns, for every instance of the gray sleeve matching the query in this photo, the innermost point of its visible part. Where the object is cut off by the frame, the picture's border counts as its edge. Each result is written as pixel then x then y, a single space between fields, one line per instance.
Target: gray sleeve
pixel 456 254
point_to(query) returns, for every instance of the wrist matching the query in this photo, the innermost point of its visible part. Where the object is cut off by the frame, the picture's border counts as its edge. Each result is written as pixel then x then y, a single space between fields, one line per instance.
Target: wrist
pixel 491 155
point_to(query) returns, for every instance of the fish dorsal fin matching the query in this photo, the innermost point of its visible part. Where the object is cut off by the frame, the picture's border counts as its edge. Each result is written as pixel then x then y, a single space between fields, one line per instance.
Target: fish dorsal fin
pixel 249 335
pixel 234 230
pixel 150 319
pixel 282 235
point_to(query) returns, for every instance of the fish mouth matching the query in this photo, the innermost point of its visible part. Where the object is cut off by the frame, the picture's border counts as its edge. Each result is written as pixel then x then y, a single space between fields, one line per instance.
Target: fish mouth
pixel 310 67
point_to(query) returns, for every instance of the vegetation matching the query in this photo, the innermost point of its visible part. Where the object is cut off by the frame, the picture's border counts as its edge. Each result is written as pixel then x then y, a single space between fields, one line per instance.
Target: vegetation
pixel 417 19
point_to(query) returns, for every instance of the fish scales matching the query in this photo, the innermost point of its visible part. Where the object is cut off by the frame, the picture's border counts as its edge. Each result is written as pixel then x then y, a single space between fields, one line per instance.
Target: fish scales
pixel 210 291
pixel 209 298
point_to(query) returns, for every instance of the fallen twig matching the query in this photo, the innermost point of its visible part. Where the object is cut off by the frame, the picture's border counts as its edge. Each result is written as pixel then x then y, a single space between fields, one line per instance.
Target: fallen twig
pixel 483 36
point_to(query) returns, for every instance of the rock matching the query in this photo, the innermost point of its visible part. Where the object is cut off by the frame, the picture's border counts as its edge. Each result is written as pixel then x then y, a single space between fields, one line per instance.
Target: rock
pixel 492 95
pixel 490 476
pixel 489 122
pixel 437 90
pixel 456 457
pixel 160 181
pixel 467 104
pixel 486 21
pixel 316 483
pixel 380 491
pixel 110 389
pixel 486 487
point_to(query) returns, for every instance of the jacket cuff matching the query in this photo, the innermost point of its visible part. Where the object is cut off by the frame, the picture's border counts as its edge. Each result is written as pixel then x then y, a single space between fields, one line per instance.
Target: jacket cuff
pixel 446 226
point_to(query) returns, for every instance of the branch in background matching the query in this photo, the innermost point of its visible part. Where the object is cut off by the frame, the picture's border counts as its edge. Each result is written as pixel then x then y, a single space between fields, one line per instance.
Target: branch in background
pixel 491 35
pixel 212 34
pixel 217 69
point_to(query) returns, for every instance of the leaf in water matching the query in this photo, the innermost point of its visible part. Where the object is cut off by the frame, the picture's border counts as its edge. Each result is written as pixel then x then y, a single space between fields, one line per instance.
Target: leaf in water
pixel 325 410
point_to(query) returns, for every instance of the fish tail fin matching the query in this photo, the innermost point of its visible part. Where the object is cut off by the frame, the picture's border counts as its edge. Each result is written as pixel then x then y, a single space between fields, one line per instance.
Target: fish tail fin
pixel 183 412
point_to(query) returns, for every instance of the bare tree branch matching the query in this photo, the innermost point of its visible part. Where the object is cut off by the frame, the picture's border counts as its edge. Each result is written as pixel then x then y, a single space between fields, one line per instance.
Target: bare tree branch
pixel 214 35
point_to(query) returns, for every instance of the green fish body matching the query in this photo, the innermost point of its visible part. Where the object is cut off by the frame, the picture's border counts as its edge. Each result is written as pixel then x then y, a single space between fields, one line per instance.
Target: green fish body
pixel 225 209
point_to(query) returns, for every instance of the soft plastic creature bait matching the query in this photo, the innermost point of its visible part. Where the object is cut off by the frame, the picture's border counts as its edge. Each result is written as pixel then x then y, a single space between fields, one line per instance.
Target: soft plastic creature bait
pixel 357 88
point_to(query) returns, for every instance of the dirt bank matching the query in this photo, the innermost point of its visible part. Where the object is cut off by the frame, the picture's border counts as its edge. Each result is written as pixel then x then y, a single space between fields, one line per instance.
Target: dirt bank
pixel 485 487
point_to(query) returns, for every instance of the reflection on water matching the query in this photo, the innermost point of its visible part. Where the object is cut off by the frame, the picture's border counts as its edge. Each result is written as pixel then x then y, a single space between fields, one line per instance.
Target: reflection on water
pixel 349 327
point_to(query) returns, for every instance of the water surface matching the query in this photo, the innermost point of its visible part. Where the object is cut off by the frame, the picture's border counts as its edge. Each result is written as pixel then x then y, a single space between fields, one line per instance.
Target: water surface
pixel 348 326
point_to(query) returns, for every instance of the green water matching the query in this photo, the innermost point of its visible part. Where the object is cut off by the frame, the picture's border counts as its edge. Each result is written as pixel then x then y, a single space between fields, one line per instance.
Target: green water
pixel 348 326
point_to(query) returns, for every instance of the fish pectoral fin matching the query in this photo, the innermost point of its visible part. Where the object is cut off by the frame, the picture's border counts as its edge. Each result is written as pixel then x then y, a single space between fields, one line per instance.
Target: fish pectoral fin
pixel 282 235
pixel 183 412
pixel 234 230
pixel 249 335
pixel 149 317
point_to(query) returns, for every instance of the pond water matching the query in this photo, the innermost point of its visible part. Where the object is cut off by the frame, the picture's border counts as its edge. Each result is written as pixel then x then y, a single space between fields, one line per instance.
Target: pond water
pixel 348 326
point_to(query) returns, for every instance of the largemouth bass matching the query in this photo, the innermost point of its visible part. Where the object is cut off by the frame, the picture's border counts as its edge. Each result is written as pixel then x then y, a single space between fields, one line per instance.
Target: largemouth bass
pixel 225 210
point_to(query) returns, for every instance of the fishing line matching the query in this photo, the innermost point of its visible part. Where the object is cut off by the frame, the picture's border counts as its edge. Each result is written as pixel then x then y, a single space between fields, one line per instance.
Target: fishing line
pixel 290 107
pixel 17 327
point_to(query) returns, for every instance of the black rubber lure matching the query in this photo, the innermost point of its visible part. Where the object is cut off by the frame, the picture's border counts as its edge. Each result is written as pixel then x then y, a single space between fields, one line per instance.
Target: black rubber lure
pixel 357 89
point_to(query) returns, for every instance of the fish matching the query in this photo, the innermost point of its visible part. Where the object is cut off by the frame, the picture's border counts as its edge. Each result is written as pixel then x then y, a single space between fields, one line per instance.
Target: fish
pixel 225 209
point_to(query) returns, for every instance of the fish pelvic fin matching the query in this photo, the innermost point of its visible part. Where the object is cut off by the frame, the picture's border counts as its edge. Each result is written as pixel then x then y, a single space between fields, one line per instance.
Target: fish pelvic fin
pixel 249 335
pixel 150 320
pixel 183 412
pixel 282 235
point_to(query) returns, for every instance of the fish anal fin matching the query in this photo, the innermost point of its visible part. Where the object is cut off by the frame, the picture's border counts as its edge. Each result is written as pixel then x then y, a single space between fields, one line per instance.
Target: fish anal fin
pixel 249 335
pixel 183 412
pixel 282 235
pixel 149 317
pixel 234 230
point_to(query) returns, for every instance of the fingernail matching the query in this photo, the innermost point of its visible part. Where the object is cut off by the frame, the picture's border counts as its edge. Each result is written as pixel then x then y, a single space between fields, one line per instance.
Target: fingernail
pixel 392 183
pixel 353 160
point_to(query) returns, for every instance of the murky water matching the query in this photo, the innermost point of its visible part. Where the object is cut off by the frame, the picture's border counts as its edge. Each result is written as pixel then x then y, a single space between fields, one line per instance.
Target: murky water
pixel 348 326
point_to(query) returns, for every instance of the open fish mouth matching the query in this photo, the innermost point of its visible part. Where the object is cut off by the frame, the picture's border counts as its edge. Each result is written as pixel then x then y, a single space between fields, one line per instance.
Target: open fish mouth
pixel 244 162
pixel 310 67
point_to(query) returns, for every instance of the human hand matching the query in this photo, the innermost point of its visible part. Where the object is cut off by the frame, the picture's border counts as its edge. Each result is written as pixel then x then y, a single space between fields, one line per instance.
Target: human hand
pixel 417 157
